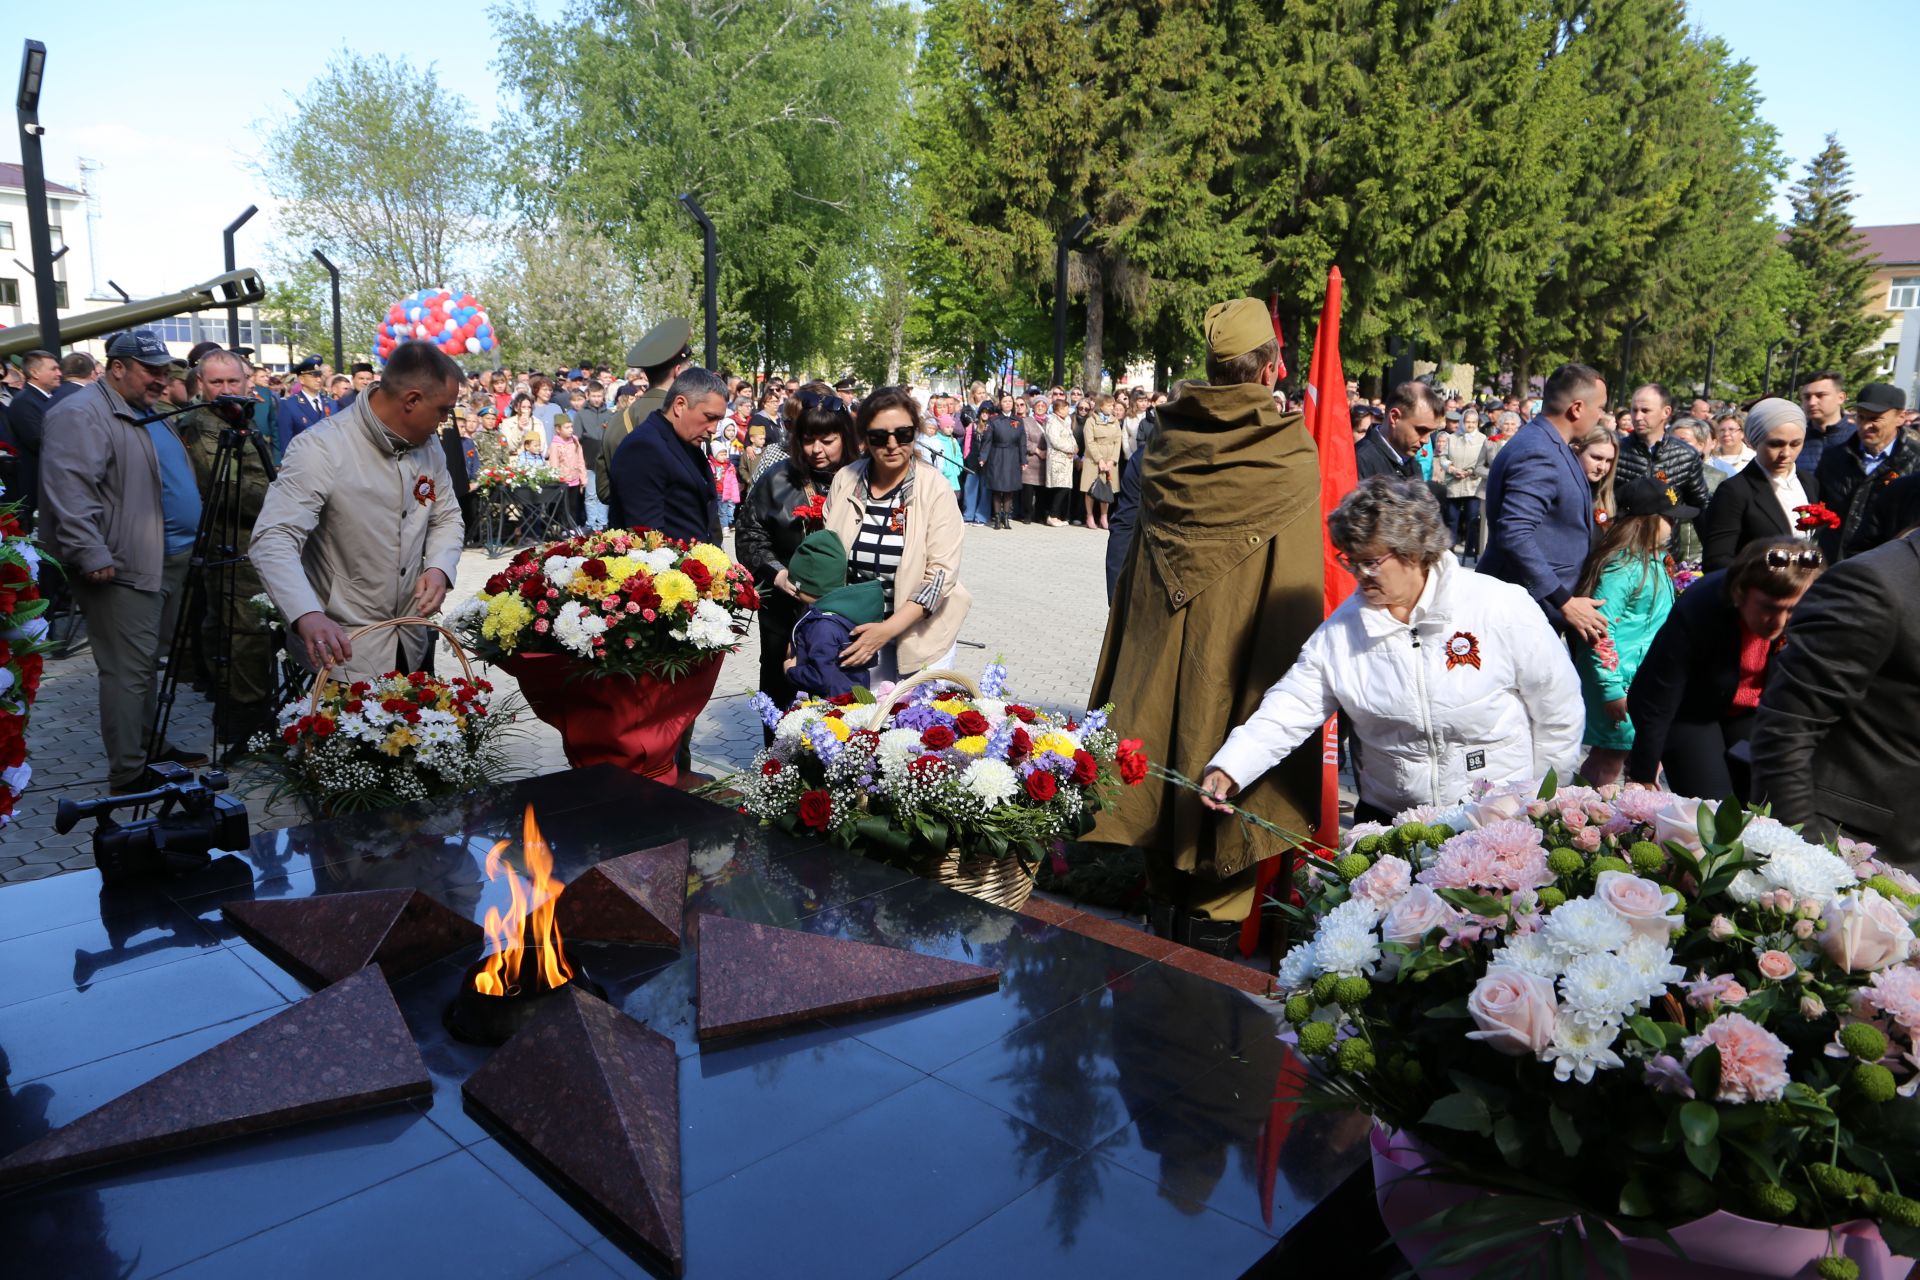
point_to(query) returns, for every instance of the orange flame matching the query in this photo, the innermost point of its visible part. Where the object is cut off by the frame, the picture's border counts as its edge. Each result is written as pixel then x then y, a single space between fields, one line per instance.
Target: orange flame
pixel 529 913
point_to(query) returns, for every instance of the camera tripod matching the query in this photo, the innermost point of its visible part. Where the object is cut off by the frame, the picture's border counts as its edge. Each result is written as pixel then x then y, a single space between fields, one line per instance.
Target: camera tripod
pixel 210 592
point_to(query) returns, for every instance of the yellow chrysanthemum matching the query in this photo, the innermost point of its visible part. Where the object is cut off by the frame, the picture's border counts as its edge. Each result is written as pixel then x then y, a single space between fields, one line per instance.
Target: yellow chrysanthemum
pixel 973 746
pixel 713 557
pixel 620 568
pixel 952 706
pixel 838 728
pixel 397 741
pixel 675 589
pixel 1058 743
pixel 507 616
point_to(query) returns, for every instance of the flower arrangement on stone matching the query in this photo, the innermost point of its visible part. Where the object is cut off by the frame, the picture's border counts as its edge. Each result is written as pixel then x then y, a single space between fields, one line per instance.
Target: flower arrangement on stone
pixel 375 743
pixel 623 601
pixel 1641 1007
pixel 23 646
pixel 514 476
pixel 984 774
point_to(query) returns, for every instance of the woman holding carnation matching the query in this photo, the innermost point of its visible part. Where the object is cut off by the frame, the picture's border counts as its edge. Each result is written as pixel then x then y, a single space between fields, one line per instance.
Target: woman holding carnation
pixel 1694 697
pixel 1447 677
pixel 770 524
pixel 1627 574
pixel 1761 501
pixel 901 525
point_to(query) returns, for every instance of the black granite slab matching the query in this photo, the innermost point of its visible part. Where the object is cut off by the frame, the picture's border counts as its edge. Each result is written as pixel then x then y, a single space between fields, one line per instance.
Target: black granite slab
pixel 332 936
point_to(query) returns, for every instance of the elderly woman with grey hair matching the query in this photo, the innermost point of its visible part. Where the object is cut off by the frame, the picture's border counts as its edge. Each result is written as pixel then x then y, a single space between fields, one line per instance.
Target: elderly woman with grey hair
pixel 1448 678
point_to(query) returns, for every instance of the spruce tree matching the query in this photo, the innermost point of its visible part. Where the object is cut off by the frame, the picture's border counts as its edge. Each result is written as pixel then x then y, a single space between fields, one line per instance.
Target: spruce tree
pixel 1829 317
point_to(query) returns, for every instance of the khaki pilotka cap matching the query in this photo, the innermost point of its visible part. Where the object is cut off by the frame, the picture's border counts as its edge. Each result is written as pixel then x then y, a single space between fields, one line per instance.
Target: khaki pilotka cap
pixel 1237 327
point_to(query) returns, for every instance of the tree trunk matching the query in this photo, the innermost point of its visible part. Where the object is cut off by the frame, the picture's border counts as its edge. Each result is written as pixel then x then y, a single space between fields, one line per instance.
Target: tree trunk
pixel 1522 373
pixel 896 334
pixel 1095 357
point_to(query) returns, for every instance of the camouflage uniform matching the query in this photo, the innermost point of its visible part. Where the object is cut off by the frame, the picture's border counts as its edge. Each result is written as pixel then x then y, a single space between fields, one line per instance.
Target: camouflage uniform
pixel 250 682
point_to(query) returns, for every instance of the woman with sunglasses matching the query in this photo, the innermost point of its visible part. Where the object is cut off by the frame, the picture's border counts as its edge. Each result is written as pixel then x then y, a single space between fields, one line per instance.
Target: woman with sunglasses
pixel 1448 678
pixel 901 526
pixel 1694 697
pixel 1762 500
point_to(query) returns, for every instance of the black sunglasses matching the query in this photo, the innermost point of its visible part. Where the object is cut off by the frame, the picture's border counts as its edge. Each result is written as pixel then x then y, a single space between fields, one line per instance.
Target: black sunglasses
pixel 820 400
pixel 877 439
pixel 1806 558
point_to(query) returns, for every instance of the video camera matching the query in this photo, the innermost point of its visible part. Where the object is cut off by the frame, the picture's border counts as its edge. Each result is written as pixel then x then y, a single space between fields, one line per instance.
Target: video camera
pixel 194 818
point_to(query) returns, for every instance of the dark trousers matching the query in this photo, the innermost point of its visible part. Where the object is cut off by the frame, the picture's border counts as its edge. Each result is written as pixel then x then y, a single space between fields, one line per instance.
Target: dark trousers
pixel 1699 762
pixel 1060 503
pixel 1463 521
pixel 1034 499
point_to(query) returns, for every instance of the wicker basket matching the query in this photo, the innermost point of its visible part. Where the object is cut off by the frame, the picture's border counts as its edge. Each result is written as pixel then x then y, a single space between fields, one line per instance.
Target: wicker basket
pixel 1005 881
pixel 326 669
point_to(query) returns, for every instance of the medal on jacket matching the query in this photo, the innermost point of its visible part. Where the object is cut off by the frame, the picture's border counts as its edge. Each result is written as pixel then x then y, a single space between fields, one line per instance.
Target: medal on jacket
pixel 1463 650
pixel 423 490
pixel 897 521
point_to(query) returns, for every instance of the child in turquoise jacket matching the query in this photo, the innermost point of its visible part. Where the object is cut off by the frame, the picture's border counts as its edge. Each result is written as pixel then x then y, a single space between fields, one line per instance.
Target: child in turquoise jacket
pixel 1627 575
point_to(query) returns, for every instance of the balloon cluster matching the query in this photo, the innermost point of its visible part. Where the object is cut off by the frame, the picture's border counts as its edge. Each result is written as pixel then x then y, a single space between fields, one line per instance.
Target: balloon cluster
pixel 454 322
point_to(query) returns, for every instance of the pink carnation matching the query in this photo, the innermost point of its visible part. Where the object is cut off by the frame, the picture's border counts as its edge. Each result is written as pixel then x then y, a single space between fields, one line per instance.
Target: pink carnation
pixel 1640 806
pixel 1753 1061
pixel 1896 993
pixel 1385 882
pixel 1503 856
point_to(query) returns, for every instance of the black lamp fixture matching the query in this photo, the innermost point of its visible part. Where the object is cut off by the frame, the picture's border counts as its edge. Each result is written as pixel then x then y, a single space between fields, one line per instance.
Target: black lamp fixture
pixel 33 69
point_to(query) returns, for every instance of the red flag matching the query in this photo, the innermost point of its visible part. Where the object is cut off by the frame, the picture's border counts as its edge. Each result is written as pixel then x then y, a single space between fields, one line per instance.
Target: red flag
pixel 1330 425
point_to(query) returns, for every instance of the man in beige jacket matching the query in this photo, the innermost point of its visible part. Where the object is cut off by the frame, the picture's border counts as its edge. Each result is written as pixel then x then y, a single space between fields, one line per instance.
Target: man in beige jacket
pixel 362 523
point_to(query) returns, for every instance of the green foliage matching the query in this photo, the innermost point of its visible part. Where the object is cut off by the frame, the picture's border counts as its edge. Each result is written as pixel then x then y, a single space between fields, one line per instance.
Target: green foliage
pixel 1351 866
pixel 1827 317
pixel 558 296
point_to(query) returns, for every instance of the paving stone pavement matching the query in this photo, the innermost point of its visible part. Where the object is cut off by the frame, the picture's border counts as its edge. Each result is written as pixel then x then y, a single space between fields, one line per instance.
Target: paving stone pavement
pixel 1039 604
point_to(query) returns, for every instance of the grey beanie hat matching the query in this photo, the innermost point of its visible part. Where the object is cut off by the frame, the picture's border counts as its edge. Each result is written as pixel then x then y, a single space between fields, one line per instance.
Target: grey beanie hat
pixel 1768 414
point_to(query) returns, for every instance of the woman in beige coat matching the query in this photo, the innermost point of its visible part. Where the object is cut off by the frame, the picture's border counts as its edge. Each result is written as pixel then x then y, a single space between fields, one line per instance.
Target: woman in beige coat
pixel 901 526
pixel 1061 450
pixel 1101 461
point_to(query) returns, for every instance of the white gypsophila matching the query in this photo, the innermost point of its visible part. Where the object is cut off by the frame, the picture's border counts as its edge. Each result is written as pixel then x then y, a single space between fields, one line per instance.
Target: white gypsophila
pixel 1579 1048
pixel 1349 953
pixel 1584 925
pixel 1298 967
pixel 1600 989
pixel 1530 953
pixel 1653 962
pixel 993 781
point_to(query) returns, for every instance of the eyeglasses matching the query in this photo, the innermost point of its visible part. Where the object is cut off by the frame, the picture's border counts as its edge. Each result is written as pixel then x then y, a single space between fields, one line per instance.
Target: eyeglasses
pixel 1805 558
pixel 899 435
pixel 1363 568
pixel 820 400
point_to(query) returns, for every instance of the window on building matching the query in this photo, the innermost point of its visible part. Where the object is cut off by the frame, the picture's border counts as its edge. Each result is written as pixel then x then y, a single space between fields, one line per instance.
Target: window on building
pixel 6 235
pixel 1903 293
pixel 9 291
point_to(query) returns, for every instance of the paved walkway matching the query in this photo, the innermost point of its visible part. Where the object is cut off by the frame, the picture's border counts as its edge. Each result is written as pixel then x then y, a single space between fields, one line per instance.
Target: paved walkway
pixel 1039 605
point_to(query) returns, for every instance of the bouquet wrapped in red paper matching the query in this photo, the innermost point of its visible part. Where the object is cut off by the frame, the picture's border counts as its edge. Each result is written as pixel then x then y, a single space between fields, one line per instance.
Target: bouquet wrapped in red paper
pixel 23 634
pixel 616 639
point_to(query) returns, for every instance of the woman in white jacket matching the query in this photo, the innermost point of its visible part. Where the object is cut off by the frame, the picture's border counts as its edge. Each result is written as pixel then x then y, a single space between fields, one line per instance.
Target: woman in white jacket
pixel 1446 677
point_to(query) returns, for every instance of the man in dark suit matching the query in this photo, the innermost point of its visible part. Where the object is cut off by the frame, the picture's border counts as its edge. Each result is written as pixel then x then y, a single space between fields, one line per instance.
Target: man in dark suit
pixel 1414 412
pixel 1855 475
pixel 1540 504
pixel 660 476
pixel 1834 744
pixel 24 416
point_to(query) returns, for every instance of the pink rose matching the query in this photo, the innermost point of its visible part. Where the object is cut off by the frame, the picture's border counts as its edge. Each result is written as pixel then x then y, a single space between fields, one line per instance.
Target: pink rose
pixel 1803 929
pixel 1573 817
pixel 1776 966
pixel 1720 928
pixel 1502 804
pixel 1385 882
pixel 1679 821
pixel 1417 914
pixel 1865 932
pixel 1514 1010
pixel 1644 904
pixel 1587 839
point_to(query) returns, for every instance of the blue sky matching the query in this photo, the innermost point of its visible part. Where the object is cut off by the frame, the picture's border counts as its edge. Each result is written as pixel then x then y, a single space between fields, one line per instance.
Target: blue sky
pixel 166 99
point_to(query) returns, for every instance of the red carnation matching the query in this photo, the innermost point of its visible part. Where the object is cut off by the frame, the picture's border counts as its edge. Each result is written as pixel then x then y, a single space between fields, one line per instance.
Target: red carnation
pixel 771 769
pixel 1020 747
pixel 13 574
pixel 496 584
pixel 971 724
pixel 322 726
pixel 1085 769
pixel 354 707
pixel 924 765
pixel 938 738
pixel 30 668
pixel 1041 786
pixel 746 597
pixel 398 706
pixel 1133 762
pixel 841 699
pixel 816 810
pixel 358 688
pixel 595 568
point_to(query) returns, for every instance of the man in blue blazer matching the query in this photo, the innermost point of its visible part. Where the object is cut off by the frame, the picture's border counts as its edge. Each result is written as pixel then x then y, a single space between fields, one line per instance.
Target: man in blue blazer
pixel 659 474
pixel 1540 504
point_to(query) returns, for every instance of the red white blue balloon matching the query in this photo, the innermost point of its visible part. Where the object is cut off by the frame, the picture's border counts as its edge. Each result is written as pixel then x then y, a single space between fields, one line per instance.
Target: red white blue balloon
pixel 454 322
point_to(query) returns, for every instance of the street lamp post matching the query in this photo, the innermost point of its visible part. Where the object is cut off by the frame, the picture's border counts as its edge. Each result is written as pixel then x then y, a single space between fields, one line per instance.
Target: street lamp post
pixel 33 67
pixel 1793 372
pixel 710 292
pixel 333 274
pixel 1626 353
pixel 1766 375
pixel 233 312
pixel 1069 240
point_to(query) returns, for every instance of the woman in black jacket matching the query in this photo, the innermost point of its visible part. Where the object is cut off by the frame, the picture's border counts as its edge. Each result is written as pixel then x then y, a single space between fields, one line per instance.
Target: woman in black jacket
pixel 1006 455
pixel 1694 698
pixel 766 529
pixel 1756 501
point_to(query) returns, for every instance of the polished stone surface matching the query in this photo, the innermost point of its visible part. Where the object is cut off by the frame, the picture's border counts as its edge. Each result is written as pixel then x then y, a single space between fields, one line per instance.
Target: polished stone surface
pixel 639 897
pixel 1099 1113
pixel 324 939
pixel 755 977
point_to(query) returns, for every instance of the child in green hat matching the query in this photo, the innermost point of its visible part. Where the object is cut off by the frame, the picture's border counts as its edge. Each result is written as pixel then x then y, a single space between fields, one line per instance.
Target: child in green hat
pixel 818 570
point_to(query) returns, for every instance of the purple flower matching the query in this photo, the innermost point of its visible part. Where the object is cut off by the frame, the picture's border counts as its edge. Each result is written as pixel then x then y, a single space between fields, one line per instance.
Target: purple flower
pixel 1000 740
pixel 824 744
pixel 766 709
pixel 993 681
pixel 1095 721
pixel 1666 1075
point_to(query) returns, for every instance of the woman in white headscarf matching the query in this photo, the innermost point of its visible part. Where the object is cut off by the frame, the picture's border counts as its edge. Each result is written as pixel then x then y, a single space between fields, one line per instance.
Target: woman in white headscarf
pixel 1771 497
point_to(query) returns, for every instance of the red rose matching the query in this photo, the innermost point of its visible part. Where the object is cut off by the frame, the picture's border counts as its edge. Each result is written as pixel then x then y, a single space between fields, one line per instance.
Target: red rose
pixel 1020 747
pixel 771 769
pixel 496 584
pixel 534 587
pixel 841 699
pixel 1023 714
pixel 595 568
pixel 1085 769
pixel 289 735
pixel 938 738
pixel 323 726
pixel 971 724
pixel 816 810
pixel 1041 786
pixel 701 575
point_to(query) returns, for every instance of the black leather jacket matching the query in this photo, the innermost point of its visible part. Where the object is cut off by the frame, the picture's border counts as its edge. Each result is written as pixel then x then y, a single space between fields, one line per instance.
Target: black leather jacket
pixel 765 530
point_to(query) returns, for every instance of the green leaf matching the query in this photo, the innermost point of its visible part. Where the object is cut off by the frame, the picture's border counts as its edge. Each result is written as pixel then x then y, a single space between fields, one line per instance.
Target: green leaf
pixel 1456 1008
pixel 1904 1241
pixel 1705 1158
pixel 1634 1200
pixel 1511 1139
pixel 1461 1111
pixel 881 832
pixel 934 831
pixel 862 696
pixel 1549 784
pixel 1704 1072
pixel 1565 1130
pixel 1700 1122
pixel 1468 900
pixel 1648 1032
pixel 1703 819
pixel 1729 823
pixel 1606 1248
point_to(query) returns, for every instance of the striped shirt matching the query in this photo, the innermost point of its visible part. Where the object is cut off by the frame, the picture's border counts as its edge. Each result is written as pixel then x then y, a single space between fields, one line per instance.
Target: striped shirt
pixel 882 540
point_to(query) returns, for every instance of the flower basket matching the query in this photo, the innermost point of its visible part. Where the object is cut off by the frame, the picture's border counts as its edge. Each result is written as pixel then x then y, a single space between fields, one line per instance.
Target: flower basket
pixel 1720 1246
pixel 634 722
pixel 946 778
pixel 375 743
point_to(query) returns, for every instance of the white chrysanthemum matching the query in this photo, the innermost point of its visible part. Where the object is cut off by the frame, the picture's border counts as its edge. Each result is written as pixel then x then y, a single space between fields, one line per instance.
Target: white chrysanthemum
pixel 1808 872
pixel 903 742
pixel 1298 967
pixel 659 560
pixel 1653 962
pixel 1600 989
pixel 992 708
pixel 794 724
pixel 1349 953
pixel 993 781
pixel 560 569
pixel 1454 816
pixel 1355 915
pixel 1586 925
pixel 1579 1049
pixel 1747 887
pixel 710 627
pixel 1530 953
